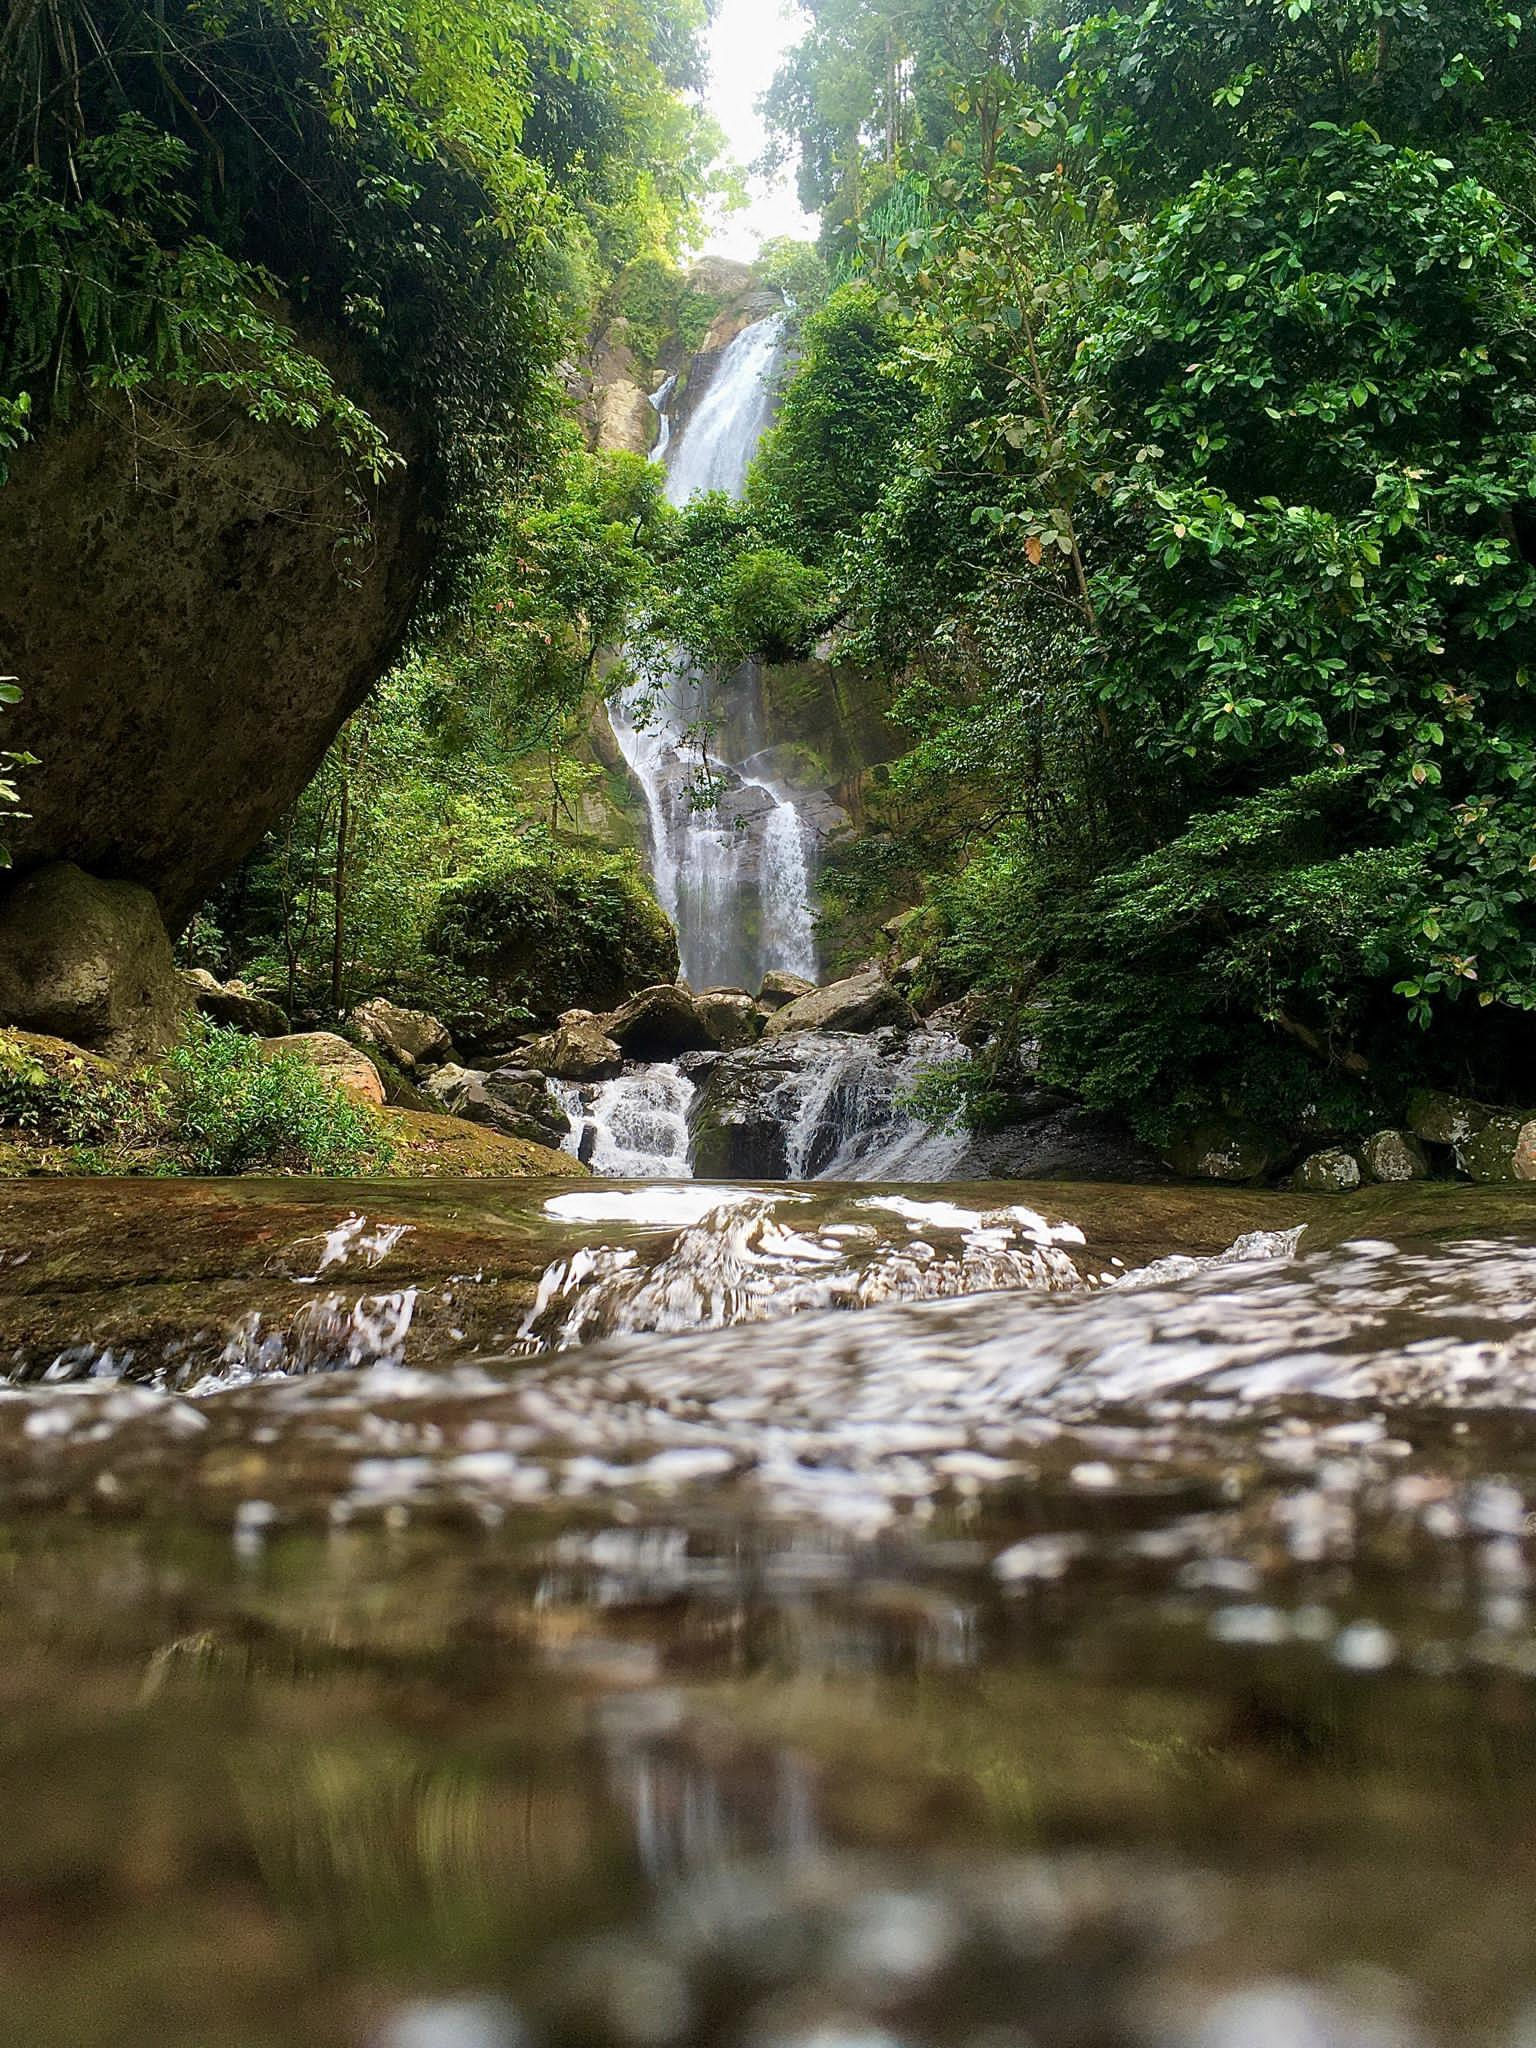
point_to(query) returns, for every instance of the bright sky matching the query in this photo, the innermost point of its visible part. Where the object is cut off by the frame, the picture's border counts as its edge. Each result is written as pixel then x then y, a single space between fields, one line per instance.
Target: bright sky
pixel 745 43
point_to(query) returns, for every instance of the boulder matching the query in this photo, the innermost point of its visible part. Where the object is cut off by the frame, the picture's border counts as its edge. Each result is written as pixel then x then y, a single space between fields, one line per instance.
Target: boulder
pixel 1393 1156
pixel 235 1006
pixel 411 1038
pixel 735 1129
pixel 1223 1149
pixel 89 961
pixel 730 1015
pixel 970 1020
pixel 341 1063
pixel 781 987
pixel 1333 1171
pixel 1502 1150
pixel 1446 1119
pixel 658 1024
pixel 578 1049
pixel 863 1002
pixel 512 1100
pixel 519 1094
pixel 187 632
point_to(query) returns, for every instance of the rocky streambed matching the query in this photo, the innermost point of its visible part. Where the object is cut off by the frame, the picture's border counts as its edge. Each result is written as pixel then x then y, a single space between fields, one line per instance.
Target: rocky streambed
pixel 561 1612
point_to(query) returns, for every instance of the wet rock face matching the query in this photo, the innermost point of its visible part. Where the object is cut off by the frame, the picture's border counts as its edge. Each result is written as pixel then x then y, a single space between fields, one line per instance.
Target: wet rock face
pixel 188 634
pixel 89 961
pixel 511 1100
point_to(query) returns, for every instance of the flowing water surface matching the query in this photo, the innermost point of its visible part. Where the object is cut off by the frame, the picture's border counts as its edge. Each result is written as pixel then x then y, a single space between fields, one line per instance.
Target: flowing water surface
pixel 847 1615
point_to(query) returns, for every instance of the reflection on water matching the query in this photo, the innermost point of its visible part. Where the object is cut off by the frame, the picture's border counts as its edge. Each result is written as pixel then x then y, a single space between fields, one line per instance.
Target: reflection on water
pixel 1141 1664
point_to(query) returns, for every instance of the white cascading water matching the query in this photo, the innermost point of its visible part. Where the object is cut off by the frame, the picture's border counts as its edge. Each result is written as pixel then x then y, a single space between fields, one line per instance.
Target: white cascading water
pixel 734 876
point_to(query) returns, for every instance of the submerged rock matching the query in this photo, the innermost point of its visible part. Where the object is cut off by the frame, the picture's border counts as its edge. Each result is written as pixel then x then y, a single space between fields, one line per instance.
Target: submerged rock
pixel 1394 1156
pixel 413 1039
pixel 235 1006
pixel 658 1024
pixel 341 1063
pixel 862 1002
pixel 89 961
pixel 1332 1171
pixel 1502 1150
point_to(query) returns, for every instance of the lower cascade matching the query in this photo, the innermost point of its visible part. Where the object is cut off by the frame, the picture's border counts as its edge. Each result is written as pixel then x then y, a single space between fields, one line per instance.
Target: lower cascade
pixel 819 1106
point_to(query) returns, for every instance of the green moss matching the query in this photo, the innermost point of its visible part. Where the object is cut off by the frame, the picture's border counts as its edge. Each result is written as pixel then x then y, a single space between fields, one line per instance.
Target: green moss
pixel 555 928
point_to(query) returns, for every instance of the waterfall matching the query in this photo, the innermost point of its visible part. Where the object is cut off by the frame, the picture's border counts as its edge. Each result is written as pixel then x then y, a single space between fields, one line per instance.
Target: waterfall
pixel 734 876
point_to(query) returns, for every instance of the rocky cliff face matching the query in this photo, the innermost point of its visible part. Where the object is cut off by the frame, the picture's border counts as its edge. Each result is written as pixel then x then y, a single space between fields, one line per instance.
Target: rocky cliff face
pixel 189 629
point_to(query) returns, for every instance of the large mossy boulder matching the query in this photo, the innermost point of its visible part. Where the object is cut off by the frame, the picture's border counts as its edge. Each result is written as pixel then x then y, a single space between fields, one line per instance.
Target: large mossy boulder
pixel 1223 1149
pixel 1501 1151
pixel 189 630
pixel 557 929
pixel 89 961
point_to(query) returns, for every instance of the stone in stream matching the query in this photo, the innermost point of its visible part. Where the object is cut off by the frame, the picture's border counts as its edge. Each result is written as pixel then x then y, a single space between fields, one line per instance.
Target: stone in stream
pixel 781 987
pixel 658 1024
pixel 413 1039
pixel 1333 1171
pixel 344 1065
pixel 89 961
pixel 578 1049
pixel 861 1002
pixel 1394 1156
pixel 233 1005
pixel 1502 1150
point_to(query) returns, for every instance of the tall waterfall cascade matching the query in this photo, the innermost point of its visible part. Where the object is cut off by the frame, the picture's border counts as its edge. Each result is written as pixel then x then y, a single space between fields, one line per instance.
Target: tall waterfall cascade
pixel 733 874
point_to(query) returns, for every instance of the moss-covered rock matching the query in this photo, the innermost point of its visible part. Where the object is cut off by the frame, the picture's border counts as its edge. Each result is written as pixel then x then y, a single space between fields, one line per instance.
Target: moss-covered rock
pixel 1333 1171
pixel 449 1148
pixel 1223 1149
pixel 1394 1156
pixel 1442 1119
pixel 89 961
pixel 1501 1151
pixel 559 929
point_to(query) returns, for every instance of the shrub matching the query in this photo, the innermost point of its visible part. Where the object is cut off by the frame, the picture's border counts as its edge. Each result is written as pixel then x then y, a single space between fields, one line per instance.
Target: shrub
pixel 233 1108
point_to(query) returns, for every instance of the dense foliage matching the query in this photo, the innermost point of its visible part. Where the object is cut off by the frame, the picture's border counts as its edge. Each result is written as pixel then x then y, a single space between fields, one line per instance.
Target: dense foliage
pixel 1200 542
pixel 220 1103
pixel 282 209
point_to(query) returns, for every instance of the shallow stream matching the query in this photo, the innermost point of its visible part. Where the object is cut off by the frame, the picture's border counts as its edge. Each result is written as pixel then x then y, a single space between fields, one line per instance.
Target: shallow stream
pixel 867 1617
